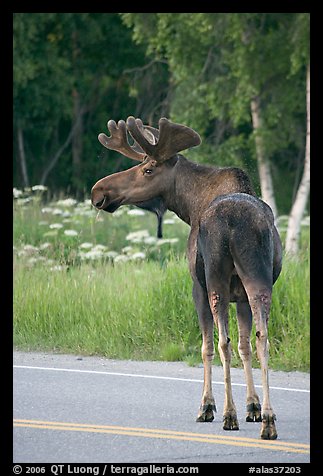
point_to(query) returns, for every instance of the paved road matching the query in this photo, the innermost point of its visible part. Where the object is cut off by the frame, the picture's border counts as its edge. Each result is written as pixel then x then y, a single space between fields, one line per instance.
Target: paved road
pixel 94 410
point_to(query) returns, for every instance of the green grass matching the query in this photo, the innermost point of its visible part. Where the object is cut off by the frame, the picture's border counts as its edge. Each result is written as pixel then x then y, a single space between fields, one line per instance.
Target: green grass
pixel 144 311
pixel 137 309
pixel 126 311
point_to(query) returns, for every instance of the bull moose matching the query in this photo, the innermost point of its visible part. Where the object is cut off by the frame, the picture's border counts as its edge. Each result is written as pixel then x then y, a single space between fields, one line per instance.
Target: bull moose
pixel 234 250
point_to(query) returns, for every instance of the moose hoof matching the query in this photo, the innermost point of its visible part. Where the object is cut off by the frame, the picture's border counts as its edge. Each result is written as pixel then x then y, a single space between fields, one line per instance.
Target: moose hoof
pixel 253 412
pixel 268 427
pixel 230 422
pixel 206 412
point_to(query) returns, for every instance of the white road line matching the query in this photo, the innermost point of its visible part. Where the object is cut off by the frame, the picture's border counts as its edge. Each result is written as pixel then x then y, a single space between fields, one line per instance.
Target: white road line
pixel 158 377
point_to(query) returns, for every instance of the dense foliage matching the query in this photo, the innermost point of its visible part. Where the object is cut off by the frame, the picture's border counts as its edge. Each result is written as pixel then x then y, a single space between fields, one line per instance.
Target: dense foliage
pixel 74 71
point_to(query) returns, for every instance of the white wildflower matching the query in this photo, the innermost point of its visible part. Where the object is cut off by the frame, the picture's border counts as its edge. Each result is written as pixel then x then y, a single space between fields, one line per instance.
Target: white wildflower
pixel 163 241
pixel 17 193
pixel 30 248
pixel 67 202
pixel 86 245
pixel 57 211
pixel 121 259
pixel 47 210
pixel 100 248
pixel 55 226
pixel 136 213
pixel 70 232
pixel 57 268
pixel 39 188
pixel 45 246
pixel 42 223
pixel 111 254
pixel 138 256
pixel 23 201
pixel 32 261
pixel 126 249
pixel 85 203
pixel 119 212
pixel 137 236
pixel 92 255
pixel 150 240
pixel 84 212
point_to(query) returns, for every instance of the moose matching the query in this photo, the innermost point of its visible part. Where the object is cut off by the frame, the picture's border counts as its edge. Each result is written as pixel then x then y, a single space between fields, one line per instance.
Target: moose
pixel 234 249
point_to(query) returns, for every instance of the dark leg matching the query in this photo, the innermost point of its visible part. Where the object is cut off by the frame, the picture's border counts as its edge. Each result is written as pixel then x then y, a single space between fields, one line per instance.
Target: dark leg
pixel 244 317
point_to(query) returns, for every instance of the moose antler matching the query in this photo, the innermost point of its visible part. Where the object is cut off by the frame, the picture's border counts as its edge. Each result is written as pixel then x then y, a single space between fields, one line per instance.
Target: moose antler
pixel 118 141
pixel 172 139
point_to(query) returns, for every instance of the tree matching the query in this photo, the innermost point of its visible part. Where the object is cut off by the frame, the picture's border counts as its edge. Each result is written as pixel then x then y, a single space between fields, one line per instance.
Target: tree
pixel 40 88
pixel 299 59
pixel 230 80
pixel 239 79
pixel 70 76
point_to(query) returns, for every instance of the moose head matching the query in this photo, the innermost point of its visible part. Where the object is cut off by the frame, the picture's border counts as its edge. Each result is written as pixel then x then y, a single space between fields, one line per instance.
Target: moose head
pixel 156 151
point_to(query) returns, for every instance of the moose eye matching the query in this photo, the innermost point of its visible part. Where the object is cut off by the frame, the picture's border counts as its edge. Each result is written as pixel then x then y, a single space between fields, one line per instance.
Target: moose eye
pixel 148 171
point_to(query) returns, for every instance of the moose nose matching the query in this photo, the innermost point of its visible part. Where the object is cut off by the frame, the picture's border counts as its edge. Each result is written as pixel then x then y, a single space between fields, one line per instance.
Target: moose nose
pixel 98 204
pixel 97 197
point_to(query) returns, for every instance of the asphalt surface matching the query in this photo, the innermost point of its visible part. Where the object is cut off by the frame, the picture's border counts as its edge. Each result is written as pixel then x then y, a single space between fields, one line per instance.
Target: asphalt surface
pixel 75 409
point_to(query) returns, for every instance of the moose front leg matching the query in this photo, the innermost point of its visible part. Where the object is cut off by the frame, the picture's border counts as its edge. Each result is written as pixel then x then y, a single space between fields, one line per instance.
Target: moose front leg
pixel 207 407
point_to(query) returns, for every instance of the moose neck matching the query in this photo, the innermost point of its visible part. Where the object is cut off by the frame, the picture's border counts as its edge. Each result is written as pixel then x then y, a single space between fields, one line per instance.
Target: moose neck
pixel 196 185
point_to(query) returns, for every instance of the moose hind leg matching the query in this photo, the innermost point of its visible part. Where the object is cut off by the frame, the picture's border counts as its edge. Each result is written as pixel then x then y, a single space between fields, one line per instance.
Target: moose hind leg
pixel 207 407
pixel 260 306
pixel 244 317
pixel 219 304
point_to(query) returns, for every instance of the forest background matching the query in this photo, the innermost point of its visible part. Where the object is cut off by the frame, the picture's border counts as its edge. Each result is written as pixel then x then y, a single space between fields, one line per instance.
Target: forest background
pixel 240 79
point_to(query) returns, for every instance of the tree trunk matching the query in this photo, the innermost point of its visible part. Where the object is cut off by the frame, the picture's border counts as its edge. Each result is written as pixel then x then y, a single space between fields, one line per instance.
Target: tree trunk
pixel 22 156
pixel 297 211
pixel 53 161
pixel 77 140
pixel 266 184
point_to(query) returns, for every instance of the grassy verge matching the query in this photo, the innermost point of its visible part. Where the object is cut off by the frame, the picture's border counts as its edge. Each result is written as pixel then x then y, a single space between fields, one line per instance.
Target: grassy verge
pixel 104 284
pixel 145 311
